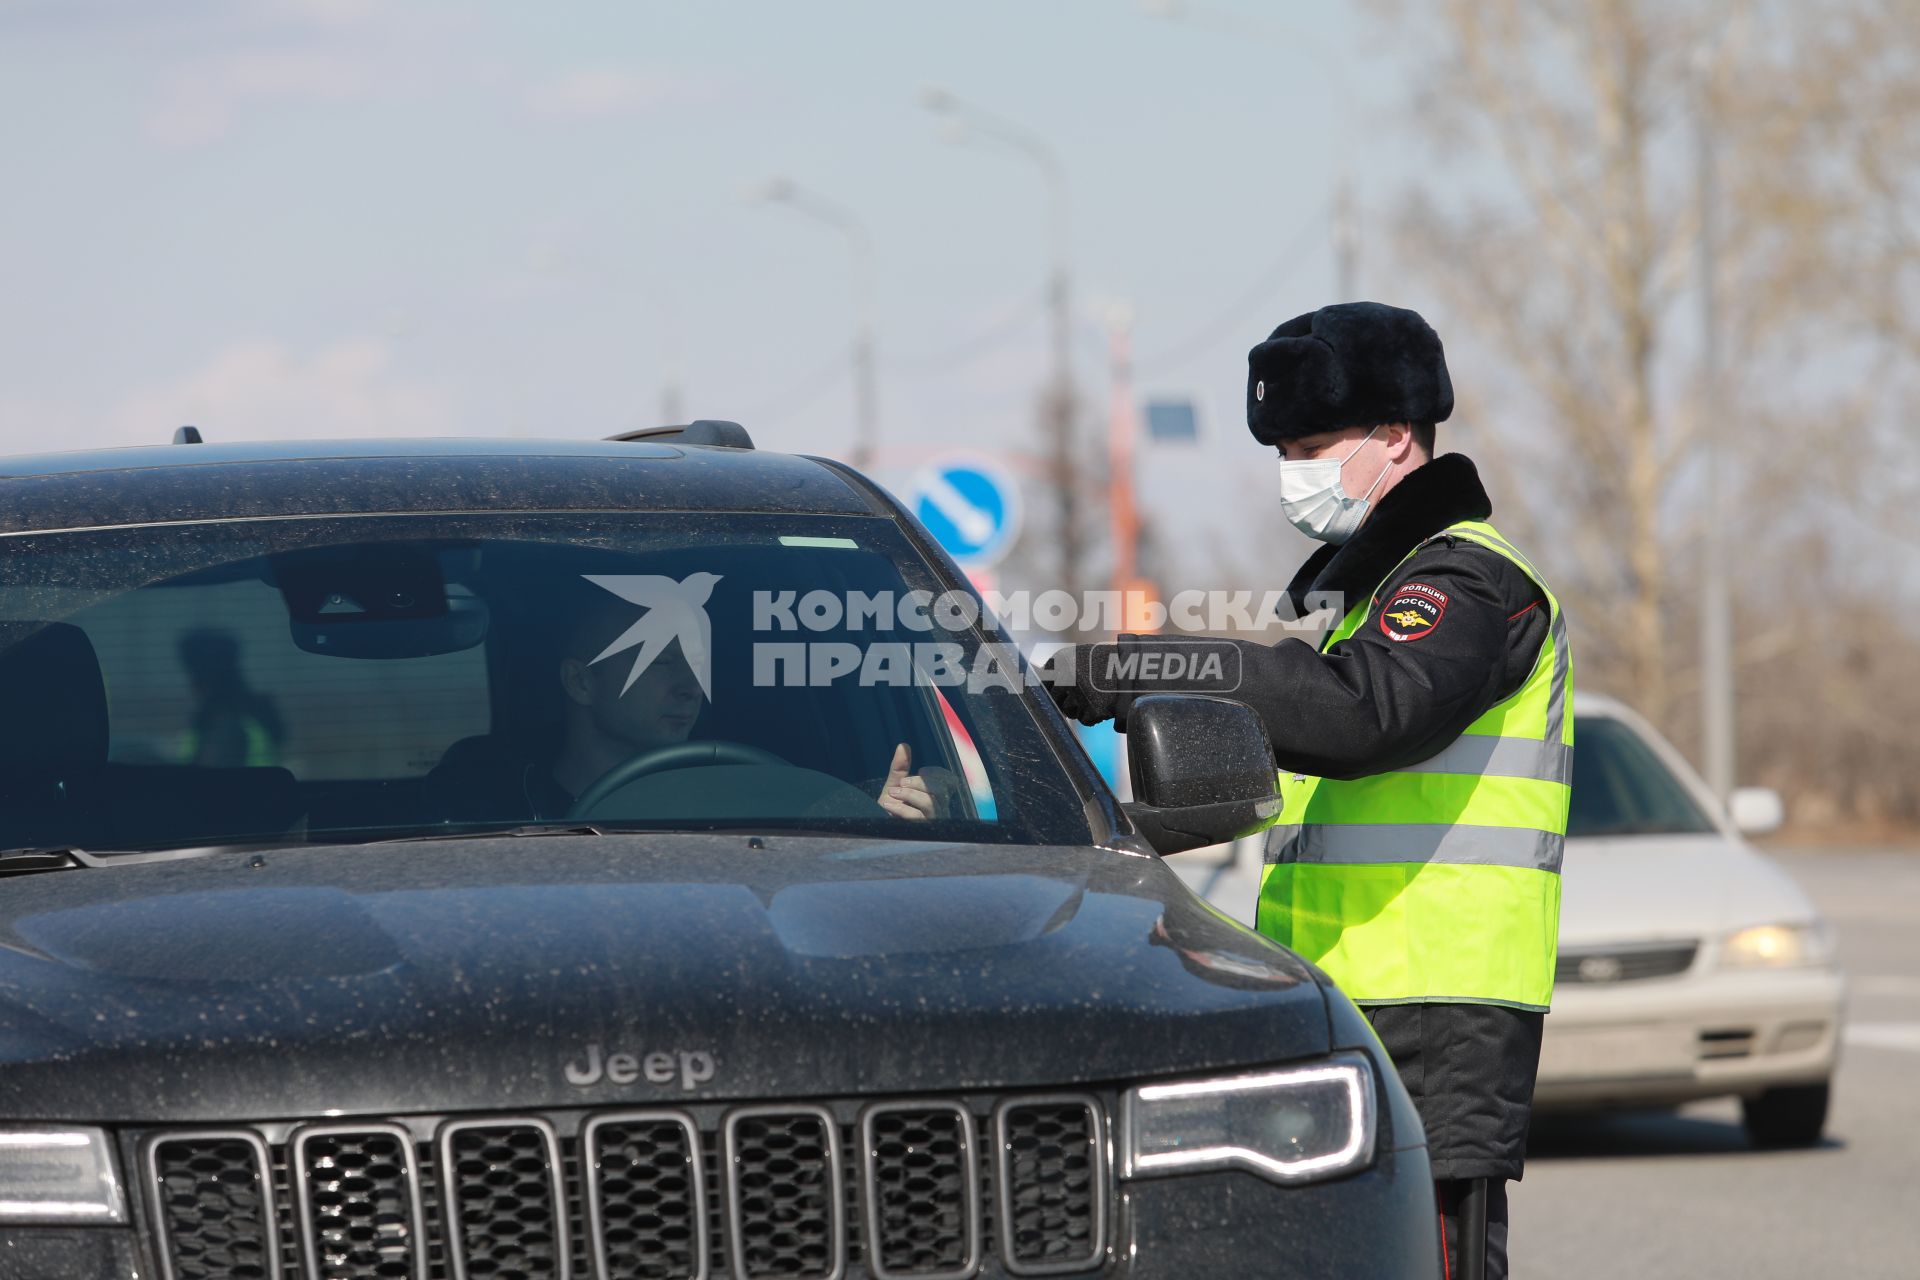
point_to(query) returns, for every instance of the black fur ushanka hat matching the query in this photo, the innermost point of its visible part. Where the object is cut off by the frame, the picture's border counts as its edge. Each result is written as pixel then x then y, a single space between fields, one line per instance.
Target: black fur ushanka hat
pixel 1354 364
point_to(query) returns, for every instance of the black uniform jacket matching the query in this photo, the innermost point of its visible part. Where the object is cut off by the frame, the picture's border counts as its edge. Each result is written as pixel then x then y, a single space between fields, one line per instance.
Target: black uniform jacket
pixel 1450 632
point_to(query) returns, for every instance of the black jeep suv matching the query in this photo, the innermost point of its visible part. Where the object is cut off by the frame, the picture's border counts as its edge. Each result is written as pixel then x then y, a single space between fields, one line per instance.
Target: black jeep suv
pixel 619 859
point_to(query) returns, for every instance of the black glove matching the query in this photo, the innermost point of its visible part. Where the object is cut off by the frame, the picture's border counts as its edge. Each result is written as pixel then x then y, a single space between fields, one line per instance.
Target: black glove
pixel 1075 696
pixel 1130 666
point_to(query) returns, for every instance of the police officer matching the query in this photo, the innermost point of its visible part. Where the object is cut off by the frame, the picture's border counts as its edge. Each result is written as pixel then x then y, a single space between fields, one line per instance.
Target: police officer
pixel 1424 745
pixel 233 723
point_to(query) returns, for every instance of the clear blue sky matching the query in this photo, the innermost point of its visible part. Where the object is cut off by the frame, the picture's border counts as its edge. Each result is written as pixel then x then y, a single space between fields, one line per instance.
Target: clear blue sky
pixel 340 217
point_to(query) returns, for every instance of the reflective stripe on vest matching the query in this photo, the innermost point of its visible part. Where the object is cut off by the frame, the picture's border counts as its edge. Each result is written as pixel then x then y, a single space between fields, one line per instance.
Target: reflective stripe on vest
pixel 1439 881
pixel 260 747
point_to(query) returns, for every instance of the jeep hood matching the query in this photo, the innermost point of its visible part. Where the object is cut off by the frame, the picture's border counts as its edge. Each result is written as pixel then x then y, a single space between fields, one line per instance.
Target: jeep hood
pixel 456 975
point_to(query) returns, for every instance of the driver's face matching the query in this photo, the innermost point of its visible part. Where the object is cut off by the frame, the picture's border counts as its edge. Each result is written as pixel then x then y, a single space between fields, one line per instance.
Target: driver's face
pixel 659 709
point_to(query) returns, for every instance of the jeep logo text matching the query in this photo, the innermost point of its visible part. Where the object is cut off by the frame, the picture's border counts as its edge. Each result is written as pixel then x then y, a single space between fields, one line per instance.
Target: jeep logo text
pixel 691 1069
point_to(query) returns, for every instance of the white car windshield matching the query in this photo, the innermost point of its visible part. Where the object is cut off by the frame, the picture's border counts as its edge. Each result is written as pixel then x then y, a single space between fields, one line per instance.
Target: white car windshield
pixel 1621 788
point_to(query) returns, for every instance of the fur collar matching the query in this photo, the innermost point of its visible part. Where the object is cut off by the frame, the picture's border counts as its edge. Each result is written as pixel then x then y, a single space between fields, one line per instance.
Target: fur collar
pixel 1443 492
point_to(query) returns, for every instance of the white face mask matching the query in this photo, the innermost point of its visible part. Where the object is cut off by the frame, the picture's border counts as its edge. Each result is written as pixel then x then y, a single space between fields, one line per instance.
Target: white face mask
pixel 1313 501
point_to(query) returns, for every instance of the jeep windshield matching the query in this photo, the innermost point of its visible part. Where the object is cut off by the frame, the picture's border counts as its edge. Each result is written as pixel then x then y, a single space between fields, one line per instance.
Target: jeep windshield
pixel 350 679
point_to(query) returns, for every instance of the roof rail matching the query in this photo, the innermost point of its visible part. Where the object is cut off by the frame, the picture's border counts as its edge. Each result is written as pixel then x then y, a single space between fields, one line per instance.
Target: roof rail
pixel 712 432
pixel 187 435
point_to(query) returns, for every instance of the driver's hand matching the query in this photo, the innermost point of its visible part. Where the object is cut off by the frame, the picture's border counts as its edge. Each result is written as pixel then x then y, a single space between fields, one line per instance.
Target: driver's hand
pixel 905 794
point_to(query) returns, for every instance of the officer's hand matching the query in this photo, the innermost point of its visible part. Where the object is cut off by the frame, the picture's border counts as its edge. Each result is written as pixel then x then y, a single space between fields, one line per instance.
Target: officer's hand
pixel 904 794
pixel 1068 676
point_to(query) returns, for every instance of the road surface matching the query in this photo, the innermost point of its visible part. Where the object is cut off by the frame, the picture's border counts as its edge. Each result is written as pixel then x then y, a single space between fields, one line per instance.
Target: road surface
pixel 1683 1195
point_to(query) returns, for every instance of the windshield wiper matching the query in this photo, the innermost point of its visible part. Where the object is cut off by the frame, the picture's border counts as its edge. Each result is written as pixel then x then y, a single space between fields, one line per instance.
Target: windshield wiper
pixel 494 833
pixel 27 861
pixel 342 840
pixel 32 859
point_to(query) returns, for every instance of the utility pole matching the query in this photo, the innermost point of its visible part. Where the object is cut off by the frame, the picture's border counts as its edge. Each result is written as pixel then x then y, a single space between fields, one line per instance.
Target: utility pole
pixel 1716 624
pixel 1060 405
pixel 865 396
pixel 1135 591
pixel 1120 500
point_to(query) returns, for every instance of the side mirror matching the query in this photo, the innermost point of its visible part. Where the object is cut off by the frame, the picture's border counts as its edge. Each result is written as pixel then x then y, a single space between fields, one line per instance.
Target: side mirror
pixel 1202 770
pixel 1756 811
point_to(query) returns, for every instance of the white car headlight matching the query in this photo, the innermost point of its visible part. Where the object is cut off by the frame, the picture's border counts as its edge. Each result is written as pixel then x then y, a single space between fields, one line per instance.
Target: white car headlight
pixel 1290 1124
pixel 50 1173
pixel 1777 946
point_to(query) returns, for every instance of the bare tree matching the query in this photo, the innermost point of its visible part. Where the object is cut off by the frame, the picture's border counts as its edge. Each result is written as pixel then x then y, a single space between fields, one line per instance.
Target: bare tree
pixel 1569 261
pixel 1570 271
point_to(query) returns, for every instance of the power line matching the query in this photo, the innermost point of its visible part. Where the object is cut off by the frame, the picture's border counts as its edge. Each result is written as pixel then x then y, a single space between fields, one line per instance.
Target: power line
pixel 964 353
pixel 803 392
pixel 1208 336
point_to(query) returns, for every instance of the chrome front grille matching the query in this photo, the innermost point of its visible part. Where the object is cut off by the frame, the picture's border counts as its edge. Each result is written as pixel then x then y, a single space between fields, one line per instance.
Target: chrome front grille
pixel 646 1193
pixel 503 1200
pixel 1624 962
pixel 786 1210
pixel 1051 1206
pixel 921 1188
pixel 360 1213
pixel 214 1203
pixel 911 1189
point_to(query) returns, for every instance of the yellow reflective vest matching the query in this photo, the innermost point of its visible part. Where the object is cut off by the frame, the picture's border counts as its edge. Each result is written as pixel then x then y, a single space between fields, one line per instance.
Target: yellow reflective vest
pixel 1438 882
pixel 260 749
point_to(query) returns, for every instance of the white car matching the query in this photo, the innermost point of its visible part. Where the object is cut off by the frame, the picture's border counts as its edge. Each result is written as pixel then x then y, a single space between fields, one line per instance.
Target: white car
pixel 1691 966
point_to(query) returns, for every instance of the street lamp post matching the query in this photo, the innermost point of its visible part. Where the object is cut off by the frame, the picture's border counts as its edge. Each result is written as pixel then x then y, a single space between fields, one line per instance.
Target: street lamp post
pixel 785 192
pixel 1716 627
pixel 1061 401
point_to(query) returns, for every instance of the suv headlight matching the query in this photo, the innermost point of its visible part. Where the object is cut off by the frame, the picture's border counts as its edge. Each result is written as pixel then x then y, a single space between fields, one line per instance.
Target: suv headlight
pixel 49 1173
pixel 1776 946
pixel 1290 1124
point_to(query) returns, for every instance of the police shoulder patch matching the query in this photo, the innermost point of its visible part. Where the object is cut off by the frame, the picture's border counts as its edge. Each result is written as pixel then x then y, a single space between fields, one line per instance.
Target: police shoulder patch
pixel 1413 611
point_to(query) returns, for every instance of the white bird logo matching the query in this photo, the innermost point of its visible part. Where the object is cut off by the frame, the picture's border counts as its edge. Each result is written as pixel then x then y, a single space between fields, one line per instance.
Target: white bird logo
pixel 674 611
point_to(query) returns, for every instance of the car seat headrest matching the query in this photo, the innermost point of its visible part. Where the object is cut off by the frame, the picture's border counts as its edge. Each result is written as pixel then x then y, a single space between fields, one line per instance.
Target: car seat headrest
pixel 53 701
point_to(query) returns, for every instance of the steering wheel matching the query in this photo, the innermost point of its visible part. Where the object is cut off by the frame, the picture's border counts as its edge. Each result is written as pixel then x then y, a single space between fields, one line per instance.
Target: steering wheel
pixel 680 755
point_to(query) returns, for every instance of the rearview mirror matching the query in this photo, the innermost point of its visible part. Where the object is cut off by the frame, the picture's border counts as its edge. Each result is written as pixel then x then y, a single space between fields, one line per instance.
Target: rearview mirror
pixel 375 601
pixel 462 626
pixel 1756 811
pixel 1202 770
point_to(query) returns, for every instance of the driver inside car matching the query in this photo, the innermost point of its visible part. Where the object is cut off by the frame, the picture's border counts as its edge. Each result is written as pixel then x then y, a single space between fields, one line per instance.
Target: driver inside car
pixel 607 725
pixel 609 715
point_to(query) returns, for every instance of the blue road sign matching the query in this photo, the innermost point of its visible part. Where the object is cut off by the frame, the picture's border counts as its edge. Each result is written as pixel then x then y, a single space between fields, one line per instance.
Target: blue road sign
pixel 970 506
pixel 1105 748
pixel 1172 422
